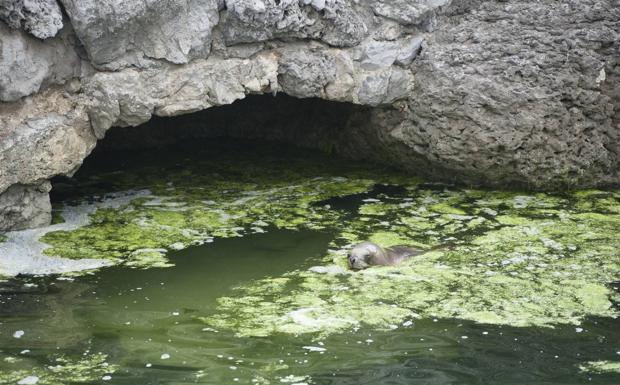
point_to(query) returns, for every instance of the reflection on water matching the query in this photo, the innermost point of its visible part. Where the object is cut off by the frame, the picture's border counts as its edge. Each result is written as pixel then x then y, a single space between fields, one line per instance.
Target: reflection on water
pixel 145 321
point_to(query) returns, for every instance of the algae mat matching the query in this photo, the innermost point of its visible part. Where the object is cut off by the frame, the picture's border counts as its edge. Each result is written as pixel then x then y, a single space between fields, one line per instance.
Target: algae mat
pixel 497 259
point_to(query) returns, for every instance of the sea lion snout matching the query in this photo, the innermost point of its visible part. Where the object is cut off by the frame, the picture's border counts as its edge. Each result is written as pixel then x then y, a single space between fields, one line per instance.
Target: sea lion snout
pixel 360 255
pixel 351 259
pixel 356 262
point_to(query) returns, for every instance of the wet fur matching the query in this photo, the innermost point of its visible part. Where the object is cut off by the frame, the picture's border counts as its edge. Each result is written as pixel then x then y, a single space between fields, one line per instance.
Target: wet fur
pixel 368 254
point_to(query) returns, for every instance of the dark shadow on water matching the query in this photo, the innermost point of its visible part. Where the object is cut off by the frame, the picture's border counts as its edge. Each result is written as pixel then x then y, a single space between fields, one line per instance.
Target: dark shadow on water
pixel 351 203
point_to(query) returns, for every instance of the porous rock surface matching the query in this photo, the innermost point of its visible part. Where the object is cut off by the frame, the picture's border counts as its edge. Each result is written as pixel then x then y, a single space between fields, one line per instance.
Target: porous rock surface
pixel 25 206
pixel 41 18
pixel 119 33
pixel 500 93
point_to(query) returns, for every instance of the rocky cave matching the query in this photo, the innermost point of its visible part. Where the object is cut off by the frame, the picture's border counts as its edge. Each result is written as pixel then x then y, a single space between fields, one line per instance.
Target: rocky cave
pixel 444 88
pixel 322 192
pixel 301 122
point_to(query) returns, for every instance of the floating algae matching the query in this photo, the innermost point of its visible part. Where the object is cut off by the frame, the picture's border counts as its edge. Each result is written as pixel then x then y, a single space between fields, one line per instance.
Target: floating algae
pixel 500 258
pixel 152 225
pixel 496 257
pixel 62 370
pixel 600 367
pixel 207 199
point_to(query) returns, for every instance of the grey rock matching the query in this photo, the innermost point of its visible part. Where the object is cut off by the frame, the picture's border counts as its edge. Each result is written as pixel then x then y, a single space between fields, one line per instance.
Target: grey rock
pixel 400 85
pixel 385 86
pixel 28 64
pixel 131 97
pixel 241 50
pixel 41 18
pixel 42 136
pixel 374 88
pixel 305 74
pixel 513 94
pixel 342 87
pixel 378 54
pixel 119 33
pixel 408 12
pixel 25 206
pixel 409 50
pixel 373 54
pixel 335 22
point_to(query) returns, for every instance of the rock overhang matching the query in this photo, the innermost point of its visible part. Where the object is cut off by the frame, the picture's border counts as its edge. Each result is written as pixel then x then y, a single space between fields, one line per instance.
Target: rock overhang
pixel 457 85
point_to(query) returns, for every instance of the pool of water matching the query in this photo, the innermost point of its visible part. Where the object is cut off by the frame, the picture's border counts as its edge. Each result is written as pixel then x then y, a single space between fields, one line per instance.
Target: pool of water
pixel 137 317
pixel 234 307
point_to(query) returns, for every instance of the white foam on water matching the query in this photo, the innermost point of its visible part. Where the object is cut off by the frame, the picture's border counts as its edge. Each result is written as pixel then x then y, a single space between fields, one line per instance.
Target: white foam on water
pixel 30 380
pixel 22 252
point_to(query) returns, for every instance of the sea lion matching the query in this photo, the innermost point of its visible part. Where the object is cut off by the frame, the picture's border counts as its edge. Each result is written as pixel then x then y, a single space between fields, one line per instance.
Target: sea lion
pixel 368 254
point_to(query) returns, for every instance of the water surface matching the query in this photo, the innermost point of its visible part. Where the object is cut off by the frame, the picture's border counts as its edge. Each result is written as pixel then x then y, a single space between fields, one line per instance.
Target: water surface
pixel 522 293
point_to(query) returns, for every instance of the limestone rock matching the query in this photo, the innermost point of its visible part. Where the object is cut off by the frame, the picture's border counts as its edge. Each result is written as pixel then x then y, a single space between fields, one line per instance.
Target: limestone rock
pixel 305 74
pixel 23 206
pixel 42 136
pixel 41 18
pixel 28 64
pixel 409 12
pixel 119 33
pixel 385 86
pixel 375 54
pixel 131 97
pixel 338 23
pixel 513 93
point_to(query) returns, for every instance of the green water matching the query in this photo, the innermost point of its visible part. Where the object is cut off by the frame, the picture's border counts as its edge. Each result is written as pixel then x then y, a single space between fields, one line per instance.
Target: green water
pixel 520 289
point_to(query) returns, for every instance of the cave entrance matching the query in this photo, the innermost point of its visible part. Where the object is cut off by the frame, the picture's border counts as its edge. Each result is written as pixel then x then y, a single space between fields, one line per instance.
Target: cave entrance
pixel 279 127
pixel 309 123
pixel 247 168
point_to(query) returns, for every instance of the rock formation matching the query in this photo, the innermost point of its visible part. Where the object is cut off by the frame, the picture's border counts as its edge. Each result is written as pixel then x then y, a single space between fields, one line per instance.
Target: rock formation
pixel 499 93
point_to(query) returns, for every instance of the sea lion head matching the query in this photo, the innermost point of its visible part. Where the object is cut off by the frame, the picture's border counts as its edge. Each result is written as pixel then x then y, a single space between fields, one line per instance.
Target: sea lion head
pixel 362 255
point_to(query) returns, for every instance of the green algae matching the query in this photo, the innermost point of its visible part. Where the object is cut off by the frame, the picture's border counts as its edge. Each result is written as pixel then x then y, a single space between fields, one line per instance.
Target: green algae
pixel 386 239
pixel 63 370
pixel 155 224
pixel 600 367
pixel 3 238
pixel 507 258
pixel 205 200
pixel 531 261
